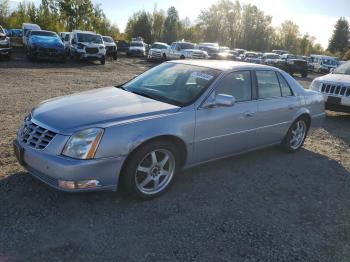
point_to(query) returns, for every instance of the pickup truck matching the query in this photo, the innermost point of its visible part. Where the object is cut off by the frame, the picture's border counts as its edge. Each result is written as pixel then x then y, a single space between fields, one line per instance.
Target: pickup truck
pixel 185 50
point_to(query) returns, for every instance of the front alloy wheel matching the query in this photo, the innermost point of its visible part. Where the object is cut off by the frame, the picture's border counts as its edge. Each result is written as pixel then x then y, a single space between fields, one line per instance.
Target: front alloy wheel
pixel 151 169
pixel 155 171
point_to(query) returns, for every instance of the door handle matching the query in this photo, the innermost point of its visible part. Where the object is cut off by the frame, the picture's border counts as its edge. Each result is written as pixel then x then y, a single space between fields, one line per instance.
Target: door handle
pixel 291 106
pixel 248 114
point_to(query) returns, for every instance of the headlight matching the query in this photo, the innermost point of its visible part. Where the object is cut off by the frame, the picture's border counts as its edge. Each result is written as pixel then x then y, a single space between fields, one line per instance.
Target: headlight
pixel 83 144
pixel 315 85
pixel 102 47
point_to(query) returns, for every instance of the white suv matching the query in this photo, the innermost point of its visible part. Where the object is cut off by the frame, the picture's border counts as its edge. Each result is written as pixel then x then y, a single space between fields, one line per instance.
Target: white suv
pixel 5 46
pixel 86 45
pixel 335 88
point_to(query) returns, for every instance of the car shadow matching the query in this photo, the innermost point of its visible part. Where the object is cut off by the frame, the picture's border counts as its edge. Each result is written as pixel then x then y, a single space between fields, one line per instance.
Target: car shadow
pixel 300 199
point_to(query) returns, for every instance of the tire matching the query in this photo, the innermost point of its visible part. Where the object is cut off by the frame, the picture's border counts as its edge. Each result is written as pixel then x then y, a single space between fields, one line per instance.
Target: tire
pixel 294 140
pixel 143 170
pixel 304 74
pixel 182 57
pixel 115 56
pixel 164 57
pixel 103 60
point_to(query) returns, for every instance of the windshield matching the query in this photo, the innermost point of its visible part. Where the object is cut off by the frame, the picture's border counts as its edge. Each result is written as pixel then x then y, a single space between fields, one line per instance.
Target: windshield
pixel 272 56
pixel 158 46
pixel 176 84
pixel 344 69
pixel 329 62
pixel 251 55
pixel 43 33
pixel 89 38
pixel 136 44
pixel 107 39
pixel 186 46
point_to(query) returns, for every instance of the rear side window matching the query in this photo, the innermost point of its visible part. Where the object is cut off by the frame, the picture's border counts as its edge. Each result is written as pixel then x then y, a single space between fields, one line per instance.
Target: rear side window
pixel 268 84
pixel 237 84
pixel 285 88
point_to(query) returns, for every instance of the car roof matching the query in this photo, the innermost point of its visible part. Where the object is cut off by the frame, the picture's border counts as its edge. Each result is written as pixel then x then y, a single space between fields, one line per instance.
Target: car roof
pixel 223 65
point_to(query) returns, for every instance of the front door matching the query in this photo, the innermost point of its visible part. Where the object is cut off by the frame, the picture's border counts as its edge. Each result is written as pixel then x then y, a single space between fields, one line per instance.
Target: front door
pixel 222 131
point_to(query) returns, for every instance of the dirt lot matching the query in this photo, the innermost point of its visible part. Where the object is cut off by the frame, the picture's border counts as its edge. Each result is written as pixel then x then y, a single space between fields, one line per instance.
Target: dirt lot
pixel 261 206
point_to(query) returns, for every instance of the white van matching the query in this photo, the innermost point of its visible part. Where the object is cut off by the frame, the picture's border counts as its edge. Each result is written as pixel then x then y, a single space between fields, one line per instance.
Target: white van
pixel 26 28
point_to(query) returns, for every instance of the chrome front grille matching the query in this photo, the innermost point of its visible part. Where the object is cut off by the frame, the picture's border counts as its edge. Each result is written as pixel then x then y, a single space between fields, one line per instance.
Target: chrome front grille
pixel 198 55
pixel 91 50
pixel 335 90
pixel 34 135
pixel 156 54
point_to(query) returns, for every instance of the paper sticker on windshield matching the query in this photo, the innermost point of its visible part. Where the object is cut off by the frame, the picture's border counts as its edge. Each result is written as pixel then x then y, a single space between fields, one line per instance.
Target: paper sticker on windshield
pixel 202 76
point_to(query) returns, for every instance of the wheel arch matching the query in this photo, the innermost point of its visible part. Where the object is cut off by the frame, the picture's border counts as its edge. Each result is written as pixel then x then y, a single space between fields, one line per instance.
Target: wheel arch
pixel 177 141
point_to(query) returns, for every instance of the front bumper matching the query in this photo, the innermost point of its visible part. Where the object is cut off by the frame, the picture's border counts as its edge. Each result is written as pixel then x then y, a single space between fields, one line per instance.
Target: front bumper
pixel 136 53
pixel 337 103
pixel 5 51
pixel 51 168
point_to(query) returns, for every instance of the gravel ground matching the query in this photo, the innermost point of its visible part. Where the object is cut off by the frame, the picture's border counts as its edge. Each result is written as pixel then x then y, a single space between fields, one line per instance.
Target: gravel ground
pixel 261 206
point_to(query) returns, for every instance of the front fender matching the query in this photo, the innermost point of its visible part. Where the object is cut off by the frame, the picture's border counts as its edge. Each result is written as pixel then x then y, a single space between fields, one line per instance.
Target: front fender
pixel 121 140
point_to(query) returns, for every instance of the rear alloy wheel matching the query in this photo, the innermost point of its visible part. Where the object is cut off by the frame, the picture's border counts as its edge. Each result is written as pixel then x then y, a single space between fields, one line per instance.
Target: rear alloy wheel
pixel 150 171
pixel 296 135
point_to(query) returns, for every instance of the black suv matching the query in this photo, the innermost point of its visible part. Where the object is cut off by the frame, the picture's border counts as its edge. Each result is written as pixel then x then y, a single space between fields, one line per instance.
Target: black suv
pixel 292 64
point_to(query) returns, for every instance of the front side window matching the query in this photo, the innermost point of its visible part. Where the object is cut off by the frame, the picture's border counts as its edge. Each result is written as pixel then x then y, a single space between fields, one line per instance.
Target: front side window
pixel 172 83
pixel 236 84
pixel 268 84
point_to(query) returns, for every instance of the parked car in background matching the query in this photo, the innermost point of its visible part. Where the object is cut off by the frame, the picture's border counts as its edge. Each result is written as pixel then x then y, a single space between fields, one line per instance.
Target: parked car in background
pixel 65 37
pixel 280 52
pixel 137 48
pixel 111 47
pixel 212 49
pixel 292 64
pixel 217 52
pixel 270 59
pixel 251 57
pixel 122 46
pixel 5 44
pixel 185 50
pixel 46 45
pixel 86 45
pixel 324 64
pixel 178 114
pixel 240 51
pixel 26 28
pixel 158 52
pixel 335 88
pixel 15 36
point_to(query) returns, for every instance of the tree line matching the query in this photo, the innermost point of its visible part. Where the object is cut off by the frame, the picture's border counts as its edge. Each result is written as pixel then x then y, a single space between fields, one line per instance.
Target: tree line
pixel 58 16
pixel 229 23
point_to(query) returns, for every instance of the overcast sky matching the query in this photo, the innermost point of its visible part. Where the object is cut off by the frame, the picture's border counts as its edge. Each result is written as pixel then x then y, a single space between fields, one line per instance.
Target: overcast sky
pixel 316 17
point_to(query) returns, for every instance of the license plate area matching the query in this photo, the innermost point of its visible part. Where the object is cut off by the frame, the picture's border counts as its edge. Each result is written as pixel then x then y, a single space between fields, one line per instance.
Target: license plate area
pixel 334 100
pixel 19 152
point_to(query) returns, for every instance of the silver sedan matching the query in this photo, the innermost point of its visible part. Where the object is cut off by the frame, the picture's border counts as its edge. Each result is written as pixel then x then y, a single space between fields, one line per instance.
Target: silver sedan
pixel 173 116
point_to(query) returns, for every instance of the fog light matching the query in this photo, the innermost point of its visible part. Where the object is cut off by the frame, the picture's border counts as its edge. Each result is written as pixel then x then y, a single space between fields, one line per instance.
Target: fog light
pixel 66 184
pixel 88 184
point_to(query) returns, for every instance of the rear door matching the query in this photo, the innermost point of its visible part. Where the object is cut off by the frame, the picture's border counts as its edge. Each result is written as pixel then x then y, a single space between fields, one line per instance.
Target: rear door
pixel 277 106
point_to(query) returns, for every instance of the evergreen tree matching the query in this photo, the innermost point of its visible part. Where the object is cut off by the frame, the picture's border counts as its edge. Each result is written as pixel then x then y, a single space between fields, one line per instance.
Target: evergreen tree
pixel 340 38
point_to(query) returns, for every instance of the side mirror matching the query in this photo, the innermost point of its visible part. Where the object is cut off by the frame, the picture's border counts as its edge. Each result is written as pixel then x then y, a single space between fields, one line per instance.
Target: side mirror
pixel 220 100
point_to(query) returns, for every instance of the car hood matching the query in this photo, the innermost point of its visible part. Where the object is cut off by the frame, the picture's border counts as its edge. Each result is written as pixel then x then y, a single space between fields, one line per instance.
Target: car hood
pixel 101 107
pixel 338 78
pixel 47 41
